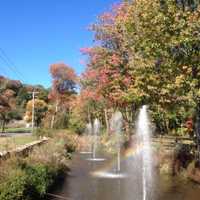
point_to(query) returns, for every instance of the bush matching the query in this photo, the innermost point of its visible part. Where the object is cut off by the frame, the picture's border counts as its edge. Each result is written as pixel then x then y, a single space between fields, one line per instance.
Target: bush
pixel 41 132
pixel 15 187
pixel 30 178
pixel 183 153
pixel 181 131
pixel 76 125
pixel 40 178
pixel 28 182
pixel 15 114
pixel 69 141
pixel 61 120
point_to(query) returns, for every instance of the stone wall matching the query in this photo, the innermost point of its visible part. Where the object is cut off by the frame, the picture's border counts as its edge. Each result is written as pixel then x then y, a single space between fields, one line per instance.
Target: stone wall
pixel 22 150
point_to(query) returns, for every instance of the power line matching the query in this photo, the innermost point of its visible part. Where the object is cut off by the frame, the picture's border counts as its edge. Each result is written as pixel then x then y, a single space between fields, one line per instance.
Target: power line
pixel 10 64
pixel 11 68
pixel 4 72
pixel 4 61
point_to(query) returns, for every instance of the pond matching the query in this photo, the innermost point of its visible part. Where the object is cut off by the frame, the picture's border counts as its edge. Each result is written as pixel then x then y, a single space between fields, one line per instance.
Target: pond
pixel 91 180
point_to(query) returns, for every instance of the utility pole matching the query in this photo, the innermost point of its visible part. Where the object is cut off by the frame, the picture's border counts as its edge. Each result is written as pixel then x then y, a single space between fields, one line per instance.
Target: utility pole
pixel 33 108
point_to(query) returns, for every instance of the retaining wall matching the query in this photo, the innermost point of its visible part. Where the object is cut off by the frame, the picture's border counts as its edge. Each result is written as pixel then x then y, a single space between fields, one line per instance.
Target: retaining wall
pixel 22 150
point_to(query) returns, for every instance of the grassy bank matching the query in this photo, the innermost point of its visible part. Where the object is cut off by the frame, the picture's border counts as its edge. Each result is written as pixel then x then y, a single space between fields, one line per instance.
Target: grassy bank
pixel 18 130
pixel 10 143
pixel 30 178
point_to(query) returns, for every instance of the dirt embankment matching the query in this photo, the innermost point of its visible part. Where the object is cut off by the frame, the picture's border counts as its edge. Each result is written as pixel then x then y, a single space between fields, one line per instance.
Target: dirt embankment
pixel 176 158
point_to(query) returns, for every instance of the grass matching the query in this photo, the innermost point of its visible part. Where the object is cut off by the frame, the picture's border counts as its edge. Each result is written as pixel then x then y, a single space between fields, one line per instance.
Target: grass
pixel 18 130
pixel 33 176
pixel 9 143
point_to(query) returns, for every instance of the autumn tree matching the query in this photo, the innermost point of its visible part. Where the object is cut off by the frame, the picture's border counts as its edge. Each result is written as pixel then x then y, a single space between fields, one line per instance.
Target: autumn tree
pixel 8 92
pixel 40 108
pixel 4 109
pixel 109 60
pixel 62 92
pixel 147 53
pixel 164 55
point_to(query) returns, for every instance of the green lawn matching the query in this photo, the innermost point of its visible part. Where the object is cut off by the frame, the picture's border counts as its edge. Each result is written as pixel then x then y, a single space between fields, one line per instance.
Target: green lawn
pixel 18 130
pixel 9 143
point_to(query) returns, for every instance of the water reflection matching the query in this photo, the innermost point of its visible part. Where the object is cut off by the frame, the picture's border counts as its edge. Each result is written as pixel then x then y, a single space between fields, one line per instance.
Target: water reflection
pixel 80 185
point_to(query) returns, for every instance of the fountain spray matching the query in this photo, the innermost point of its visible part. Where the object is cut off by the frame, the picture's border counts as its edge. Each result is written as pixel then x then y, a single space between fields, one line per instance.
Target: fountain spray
pixel 96 132
pixel 116 127
pixel 143 135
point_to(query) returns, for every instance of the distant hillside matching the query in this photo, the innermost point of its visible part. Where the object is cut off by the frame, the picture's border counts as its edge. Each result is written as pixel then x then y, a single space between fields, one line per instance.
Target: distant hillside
pixel 14 96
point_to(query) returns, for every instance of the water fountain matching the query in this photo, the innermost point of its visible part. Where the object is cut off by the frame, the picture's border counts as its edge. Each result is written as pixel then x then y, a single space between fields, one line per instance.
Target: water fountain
pixel 140 181
pixel 116 124
pixel 143 135
pixel 88 129
pixel 88 132
pixel 96 133
pixel 95 137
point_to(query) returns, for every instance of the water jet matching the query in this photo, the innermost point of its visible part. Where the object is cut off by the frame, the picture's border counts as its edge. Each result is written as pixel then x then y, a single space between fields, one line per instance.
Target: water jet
pixel 96 133
pixel 88 132
pixel 116 124
pixel 143 137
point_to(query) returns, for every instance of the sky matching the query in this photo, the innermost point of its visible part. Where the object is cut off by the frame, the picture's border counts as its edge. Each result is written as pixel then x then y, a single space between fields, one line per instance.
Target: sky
pixel 37 33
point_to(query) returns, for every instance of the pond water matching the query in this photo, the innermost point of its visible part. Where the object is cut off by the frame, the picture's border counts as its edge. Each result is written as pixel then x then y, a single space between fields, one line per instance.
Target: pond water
pixel 90 180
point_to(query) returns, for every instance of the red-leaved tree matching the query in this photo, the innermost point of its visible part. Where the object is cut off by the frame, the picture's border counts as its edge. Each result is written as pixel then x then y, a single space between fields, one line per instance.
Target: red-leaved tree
pixel 63 88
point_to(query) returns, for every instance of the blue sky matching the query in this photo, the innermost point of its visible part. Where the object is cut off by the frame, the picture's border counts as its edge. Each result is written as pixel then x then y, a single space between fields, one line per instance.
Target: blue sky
pixel 37 33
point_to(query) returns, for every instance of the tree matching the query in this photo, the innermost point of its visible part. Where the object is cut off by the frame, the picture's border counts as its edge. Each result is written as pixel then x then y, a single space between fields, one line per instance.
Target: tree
pixel 7 102
pixel 64 79
pixel 147 53
pixel 42 92
pixel 164 56
pixel 4 109
pixel 63 90
pixel 23 97
pixel 39 111
pixel 108 73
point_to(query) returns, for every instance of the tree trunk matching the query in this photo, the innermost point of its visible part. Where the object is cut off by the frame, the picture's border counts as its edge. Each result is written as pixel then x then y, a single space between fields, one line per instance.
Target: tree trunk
pixel 166 127
pixel 128 121
pixel 53 117
pixel 198 129
pixel 89 116
pixel 3 126
pixel 107 121
pixel 127 127
pixel 52 121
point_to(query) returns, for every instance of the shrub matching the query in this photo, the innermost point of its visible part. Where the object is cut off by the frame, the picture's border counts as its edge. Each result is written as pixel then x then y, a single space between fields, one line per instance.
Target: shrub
pixel 30 178
pixel 41 132
pixel 183 154
pixel 61 120
pixel 76 125
pixel 15 187
pixel 68 140
pixel 181 131
pixel 40 178
pixel 28 182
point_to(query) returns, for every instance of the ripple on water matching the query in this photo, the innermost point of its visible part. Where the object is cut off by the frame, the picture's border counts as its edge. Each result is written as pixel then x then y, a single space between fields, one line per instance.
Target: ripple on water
pixel 96 159
pixel 108 175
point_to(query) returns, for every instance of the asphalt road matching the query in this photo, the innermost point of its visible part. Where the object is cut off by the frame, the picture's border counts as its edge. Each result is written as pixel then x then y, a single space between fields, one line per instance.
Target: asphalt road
pixel 14 134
